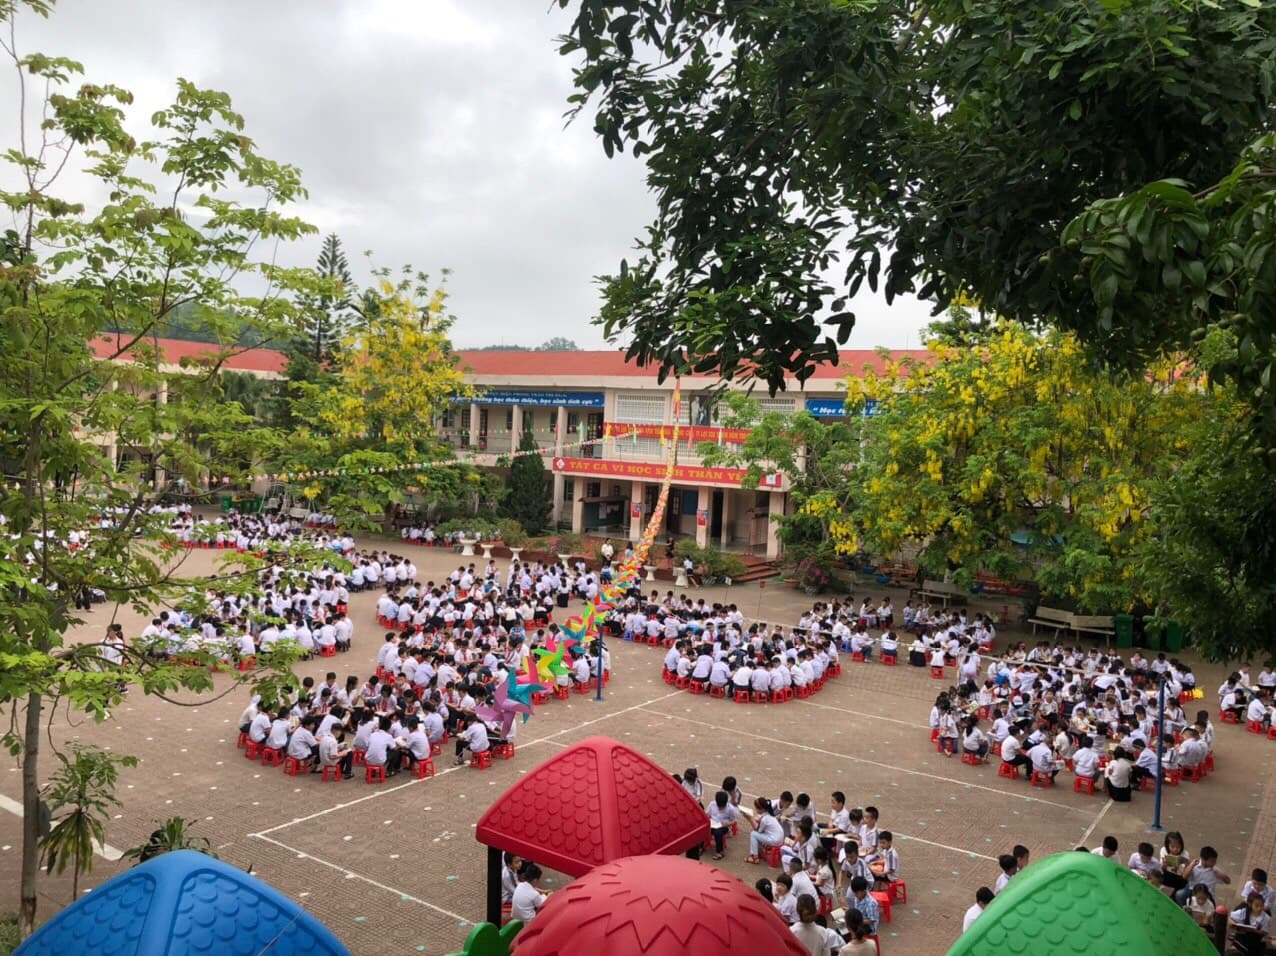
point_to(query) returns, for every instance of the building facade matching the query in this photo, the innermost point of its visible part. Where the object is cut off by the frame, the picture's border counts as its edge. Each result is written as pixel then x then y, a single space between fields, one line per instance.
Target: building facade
pixel 604 425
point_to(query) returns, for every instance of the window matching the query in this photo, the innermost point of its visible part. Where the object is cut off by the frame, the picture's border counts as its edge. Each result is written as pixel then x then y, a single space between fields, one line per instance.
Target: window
pixel 594 489
pixel 640 408
pixel 700 410
pixel 509 419
pixel 569 489
pixel 630 447
pixel 449 416
pixel 785 406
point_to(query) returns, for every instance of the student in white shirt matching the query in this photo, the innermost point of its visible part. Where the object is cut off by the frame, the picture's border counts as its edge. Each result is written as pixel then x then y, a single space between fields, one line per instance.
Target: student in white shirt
pixel 722 815
pixel 302 745
pixel 983 896
pixel 767 831
pixel 382 750
pixel 474 739
pixel 527 899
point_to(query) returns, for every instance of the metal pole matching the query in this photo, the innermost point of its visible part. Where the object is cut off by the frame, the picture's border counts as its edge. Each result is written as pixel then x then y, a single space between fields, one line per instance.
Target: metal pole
pixel 1160 753
pixel 598 696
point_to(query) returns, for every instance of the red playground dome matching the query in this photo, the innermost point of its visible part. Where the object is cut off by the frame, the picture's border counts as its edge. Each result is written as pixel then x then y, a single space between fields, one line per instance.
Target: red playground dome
pixel 656 906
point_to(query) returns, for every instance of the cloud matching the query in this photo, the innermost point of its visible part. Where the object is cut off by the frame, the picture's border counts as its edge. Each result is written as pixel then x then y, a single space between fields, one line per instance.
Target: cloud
pixel 429 132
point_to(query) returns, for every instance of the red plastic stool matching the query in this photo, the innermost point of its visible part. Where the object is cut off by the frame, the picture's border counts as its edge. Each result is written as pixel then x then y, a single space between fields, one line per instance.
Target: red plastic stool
pixel 252 750
pixel 696 687
pixel 436 749
pixel 271 757
pixel 1255 727
pixel 742 697
pixel 562 692
pixel 897 890
pixel 328 650
pixel 482 760
pixel 883 906
pixel 983 713
pixel 826 905
pixel 1147 783
pixel 835 670
pixel 358 760
pixel 772 855
pixel 1209 763
pixel 934 734
pixel 332 773
pixel 1228 717
pixel 1195 774
pixel 937 672
pixel 583 687
pixel 247 663
pixel 373 773
pixel 971 758
pixel 804 691
pixel 292 766
pixel 1083 785
pixel 505 751
pixel 716 691
pixel 760 697
pixel 1174 777
pixel 857 656
pixel 540 697
pixel 243 740
pixel 1042 779
pixel 1271 733
pixel 681 682
pixel 889 659
pixel 423 769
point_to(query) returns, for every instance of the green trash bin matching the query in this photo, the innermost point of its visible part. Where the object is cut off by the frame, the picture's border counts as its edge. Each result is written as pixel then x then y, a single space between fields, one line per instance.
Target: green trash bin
pixel 1124 626
pixel 1173 636
pixel 227 502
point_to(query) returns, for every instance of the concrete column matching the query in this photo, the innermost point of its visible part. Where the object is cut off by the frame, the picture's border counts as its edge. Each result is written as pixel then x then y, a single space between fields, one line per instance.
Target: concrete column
pixel 560 429
pixel 725 538
pixel 578 508
pixel 775 508
pixel 516 428
pixel 474 424
pixel 637 495
pixel 556 512
pixel 704 501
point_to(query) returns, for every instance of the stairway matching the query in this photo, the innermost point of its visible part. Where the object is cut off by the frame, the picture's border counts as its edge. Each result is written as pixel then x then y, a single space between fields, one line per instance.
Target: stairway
pixel 758 569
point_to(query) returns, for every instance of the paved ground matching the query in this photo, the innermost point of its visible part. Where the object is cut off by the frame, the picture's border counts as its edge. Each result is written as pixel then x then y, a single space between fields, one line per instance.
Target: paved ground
pixel 395 869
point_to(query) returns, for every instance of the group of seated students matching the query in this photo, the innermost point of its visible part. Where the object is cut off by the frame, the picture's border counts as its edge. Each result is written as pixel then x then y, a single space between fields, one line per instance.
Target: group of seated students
pixel 752 663
pixel 1241 699
pixel 246 532
pixel 1194 882
pixel 290 601
pixel 1048 708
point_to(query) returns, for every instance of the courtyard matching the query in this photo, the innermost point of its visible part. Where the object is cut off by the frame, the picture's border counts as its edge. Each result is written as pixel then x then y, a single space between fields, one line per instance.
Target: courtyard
pixel 395 868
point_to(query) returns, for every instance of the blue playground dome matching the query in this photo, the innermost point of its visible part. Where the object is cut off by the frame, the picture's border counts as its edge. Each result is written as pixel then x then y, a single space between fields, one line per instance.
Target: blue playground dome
pixel 183 904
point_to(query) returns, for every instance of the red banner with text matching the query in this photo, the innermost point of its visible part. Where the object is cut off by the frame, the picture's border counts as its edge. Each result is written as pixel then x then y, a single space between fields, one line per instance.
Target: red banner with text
pixel 655 471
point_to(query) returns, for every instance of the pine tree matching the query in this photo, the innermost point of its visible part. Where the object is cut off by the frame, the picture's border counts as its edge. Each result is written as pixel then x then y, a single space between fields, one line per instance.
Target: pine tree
pixel 527 497
pixel 329 314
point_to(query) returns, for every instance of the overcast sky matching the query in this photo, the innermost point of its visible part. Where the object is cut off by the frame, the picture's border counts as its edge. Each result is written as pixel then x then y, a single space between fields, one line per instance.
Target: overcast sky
pixel 429 131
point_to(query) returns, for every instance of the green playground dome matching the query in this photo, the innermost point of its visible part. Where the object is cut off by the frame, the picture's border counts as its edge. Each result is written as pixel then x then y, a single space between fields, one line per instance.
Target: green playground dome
pixel 1081 904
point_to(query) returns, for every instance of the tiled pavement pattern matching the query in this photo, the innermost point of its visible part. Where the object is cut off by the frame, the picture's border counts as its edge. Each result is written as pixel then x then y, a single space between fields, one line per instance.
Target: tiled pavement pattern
pixel 395 869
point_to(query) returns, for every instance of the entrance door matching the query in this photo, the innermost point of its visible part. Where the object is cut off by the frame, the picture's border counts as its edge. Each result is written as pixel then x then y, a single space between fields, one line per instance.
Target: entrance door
pixel 715 519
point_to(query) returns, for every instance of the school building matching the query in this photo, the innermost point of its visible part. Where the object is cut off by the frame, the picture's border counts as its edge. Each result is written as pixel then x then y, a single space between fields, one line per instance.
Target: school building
pixel 624 417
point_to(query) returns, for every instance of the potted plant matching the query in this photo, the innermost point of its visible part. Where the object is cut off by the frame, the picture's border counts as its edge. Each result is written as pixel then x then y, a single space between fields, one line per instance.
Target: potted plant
pixel 569 545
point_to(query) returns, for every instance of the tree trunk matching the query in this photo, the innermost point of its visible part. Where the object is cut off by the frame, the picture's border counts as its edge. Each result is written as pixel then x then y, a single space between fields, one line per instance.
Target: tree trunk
pixel 30 814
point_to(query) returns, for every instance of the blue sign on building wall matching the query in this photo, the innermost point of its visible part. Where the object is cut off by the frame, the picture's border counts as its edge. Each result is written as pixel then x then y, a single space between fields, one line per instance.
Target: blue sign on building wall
pixel 836 407
pixel 535 399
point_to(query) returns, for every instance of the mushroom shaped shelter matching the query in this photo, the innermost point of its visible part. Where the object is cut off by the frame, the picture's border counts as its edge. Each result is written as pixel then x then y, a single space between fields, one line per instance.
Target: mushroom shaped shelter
pixel 183 904
pixel 1080 904
pixel 594 802
pixel 657 906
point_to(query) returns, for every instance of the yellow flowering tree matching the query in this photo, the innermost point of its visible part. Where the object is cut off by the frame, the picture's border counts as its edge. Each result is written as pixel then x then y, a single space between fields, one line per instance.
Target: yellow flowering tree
pixel 1018 456
pixel 360 433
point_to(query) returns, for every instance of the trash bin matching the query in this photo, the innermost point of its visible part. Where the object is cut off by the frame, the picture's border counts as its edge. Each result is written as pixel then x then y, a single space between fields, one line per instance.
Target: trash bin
pixel 1173 636
pixel 1124 626
pixel 227 502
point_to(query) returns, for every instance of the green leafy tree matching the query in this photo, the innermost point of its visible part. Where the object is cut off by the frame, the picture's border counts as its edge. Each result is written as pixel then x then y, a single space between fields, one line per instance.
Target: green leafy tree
pixel 529 491
pixel 558 344
pixel 184 209
pixel 330 314
pixel 83 787
pixel 926 147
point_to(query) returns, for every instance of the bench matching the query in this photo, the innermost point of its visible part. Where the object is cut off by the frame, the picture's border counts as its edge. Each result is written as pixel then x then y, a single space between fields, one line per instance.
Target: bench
pixel 1101 624
pixel 942 591
pixel 1051 617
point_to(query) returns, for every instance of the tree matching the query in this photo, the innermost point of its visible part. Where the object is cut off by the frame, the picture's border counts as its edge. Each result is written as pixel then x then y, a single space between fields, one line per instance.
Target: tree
pixel 558 344
pixel 172 834
pixel 84 787
pixel 530 491
pixel 931 147
pixel 365 432
pixel 1020 458
pixel 330 314
pixel 166 234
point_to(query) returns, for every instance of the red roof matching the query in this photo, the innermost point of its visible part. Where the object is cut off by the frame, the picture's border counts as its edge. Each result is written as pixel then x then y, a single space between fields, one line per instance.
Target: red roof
pixel 592 803
pixel 173 351
pixel 611 363
pixel 656 906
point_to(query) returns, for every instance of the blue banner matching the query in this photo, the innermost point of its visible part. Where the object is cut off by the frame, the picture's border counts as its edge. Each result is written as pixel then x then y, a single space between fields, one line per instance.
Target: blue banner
pixel 535 399
pixel 836 407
